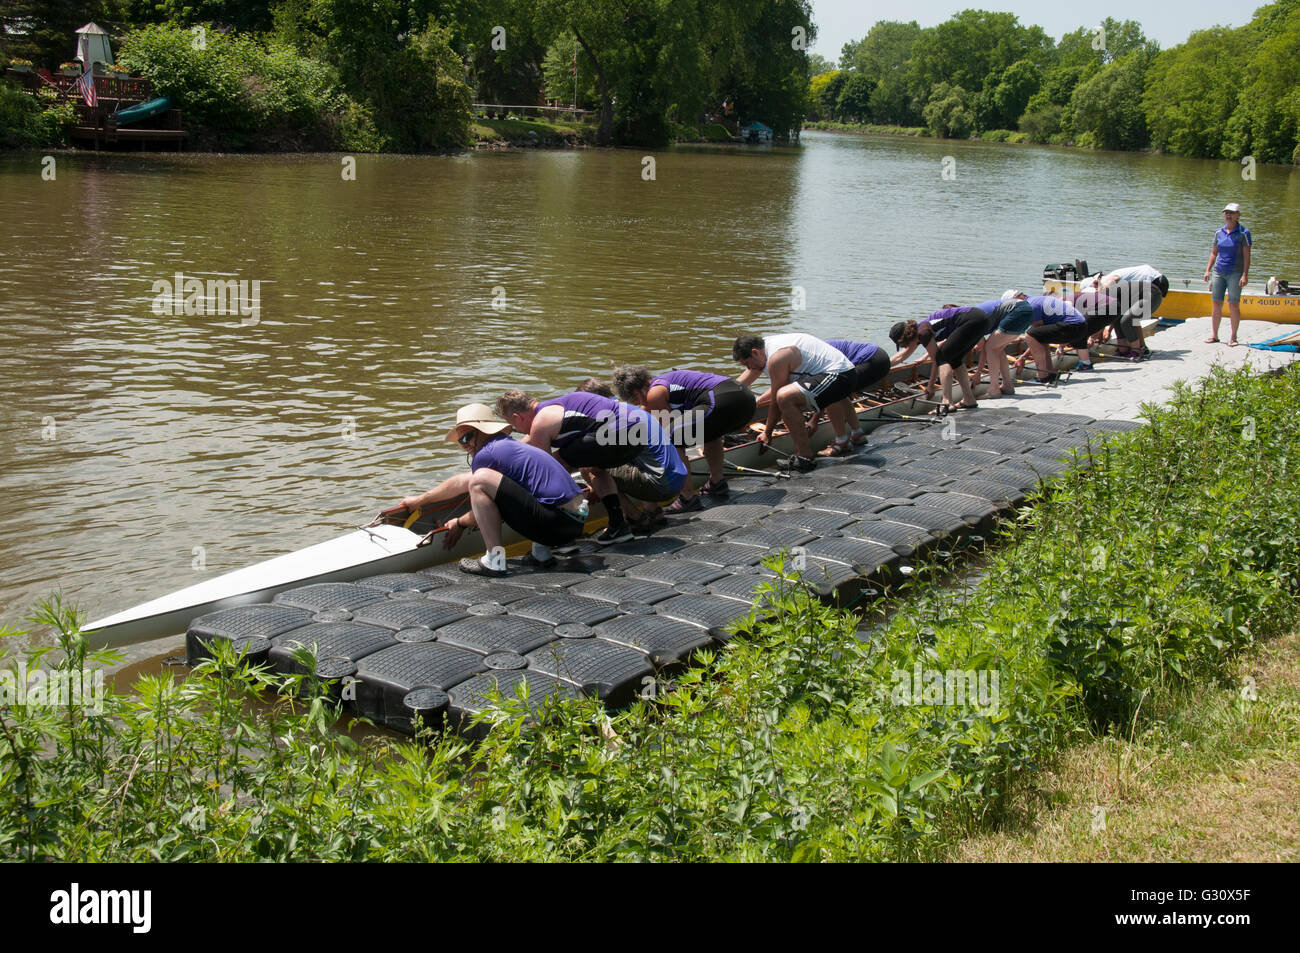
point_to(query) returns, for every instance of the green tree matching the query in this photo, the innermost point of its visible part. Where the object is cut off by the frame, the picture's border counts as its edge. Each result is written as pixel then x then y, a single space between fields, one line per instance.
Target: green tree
pixel 854 102
pixel 948 114
pixel 1191 92
pixel 1266 123
pixel 824 93
pixel 1107 108
pixel 884 56
pixel 818 64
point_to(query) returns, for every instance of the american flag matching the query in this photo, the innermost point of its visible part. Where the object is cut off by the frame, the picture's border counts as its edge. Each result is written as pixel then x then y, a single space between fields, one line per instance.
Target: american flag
pixel 87 86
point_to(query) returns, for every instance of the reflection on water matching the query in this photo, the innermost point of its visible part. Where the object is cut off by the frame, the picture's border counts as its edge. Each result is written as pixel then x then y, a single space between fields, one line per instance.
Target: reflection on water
pixel 144 452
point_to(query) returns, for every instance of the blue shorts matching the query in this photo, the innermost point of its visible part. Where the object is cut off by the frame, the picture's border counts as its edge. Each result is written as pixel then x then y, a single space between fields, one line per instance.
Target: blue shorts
pixel 1017 320
pixel 1221 282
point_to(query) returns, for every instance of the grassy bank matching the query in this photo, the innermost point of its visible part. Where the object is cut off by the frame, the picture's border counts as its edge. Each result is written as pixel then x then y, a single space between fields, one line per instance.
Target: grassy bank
pixel 532 132
pixel 1210 778
pixel 875 129
pixel 1140 579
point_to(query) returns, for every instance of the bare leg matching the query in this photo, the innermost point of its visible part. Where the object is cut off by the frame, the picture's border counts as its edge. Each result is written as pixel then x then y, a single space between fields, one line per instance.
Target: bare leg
pixel 1234 312
pixel 688 488
pixel 713 454
pixel 1216 315
pixel 793 402
pixel 483 486
pixel 967 389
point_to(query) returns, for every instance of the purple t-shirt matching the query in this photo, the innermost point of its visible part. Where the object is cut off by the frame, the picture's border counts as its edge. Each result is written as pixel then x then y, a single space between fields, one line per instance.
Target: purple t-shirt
pixel 942 322
pixel 1053 310
pixel 688 389
pixel 1230 258
pixel 583 413
pixel 1094 303
pixel 856 351
pixel 535 470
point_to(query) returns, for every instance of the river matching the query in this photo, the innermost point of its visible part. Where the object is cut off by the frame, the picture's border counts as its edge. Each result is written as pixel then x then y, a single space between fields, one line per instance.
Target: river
pixel 142 451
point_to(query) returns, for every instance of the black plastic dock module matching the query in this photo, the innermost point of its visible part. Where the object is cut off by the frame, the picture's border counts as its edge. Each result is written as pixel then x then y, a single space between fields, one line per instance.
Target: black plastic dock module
pixel 770 496
pixel 714 615
pixel 475 696
pixel 726 553
pixel 615 674
pixel 693 530
pixel 398 582
pixel 903 539
pixel 498 633
pixel 1114 426
pixel 668 643
pixel 387 677
pixel 671 571
pixel 735 514
pixel 819 522
pixel 398 614
pixel 825 576
pixel 1002 495
pixel 337 646
pixel 888 487
pixel 649 545
pixel 474 593
pixel 329 595
pixel 743 588
pixel 622 591
pixel 559 608
pixel 774 538
pixel 942 523
pixel 865 556
pixel 241 622
pixel 847 500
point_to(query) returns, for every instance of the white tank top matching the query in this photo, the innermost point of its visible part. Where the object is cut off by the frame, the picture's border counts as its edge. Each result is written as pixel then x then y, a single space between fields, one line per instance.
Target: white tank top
pixel 818 356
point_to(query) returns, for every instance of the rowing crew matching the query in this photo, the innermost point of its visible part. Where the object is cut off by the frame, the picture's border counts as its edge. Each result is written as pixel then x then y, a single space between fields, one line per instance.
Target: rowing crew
pixel 633 465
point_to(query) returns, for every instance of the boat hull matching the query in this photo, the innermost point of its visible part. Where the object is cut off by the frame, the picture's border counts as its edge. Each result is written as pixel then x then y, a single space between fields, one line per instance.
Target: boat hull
pixel 1183 303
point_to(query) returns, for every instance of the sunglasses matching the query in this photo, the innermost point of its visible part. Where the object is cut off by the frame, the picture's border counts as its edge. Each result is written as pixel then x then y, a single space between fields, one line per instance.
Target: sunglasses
pixel 465 438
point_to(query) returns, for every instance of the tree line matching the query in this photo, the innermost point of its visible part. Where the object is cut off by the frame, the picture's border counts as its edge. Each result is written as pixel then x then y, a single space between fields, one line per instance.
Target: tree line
pixel 1224 93
pixel 401 74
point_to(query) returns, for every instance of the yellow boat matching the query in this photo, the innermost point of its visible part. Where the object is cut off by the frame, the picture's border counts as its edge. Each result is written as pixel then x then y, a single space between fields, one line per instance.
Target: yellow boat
pixel 1194 302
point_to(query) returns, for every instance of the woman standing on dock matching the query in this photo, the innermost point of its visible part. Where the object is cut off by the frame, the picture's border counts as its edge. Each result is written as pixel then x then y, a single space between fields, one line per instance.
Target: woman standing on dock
pixel 1230 264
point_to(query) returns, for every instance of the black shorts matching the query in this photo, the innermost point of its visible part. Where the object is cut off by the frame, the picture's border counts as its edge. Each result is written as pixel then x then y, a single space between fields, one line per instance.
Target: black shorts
pixel 533 519
pixel 733 409
pixel 871 371
pixel 589 451
pixel 1099 322
pixel 822 390
pixel 966 333
pixel 1069 335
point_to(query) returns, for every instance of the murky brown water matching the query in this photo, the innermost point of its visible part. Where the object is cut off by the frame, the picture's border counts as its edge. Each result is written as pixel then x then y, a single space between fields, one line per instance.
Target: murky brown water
pixel 128 438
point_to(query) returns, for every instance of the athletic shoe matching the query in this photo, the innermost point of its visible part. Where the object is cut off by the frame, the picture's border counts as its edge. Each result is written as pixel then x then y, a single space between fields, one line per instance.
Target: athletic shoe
pixel 718 489
pixel 798 464
pixel 611 535
pixel 1081 366
pixel 475 568
pixel 683 505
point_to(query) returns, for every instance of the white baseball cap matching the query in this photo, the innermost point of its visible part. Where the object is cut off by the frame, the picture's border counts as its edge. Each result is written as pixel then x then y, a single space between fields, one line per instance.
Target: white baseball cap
pixel 1012 293
pixel 1232 207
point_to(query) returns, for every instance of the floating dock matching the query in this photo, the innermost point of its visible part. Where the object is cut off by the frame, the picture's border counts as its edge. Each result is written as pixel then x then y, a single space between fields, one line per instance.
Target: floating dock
pixel 606 622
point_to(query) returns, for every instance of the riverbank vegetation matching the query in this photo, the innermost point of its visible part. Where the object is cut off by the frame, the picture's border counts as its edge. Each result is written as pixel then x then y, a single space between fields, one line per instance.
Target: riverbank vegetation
pixel 1224 93
pixel 1126 590
pixel 388 75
